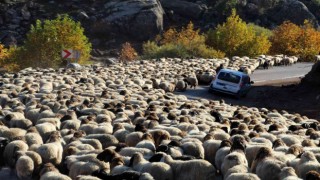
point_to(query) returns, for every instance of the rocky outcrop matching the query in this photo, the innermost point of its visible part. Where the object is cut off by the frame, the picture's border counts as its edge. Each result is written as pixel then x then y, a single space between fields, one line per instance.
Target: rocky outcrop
pixel 292 10
pixel 313 77
pixel 138 18
pixel 183 8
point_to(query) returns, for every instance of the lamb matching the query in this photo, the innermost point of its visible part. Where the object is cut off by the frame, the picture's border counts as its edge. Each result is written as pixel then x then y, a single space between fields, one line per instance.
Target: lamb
pixel 197 169
pixel 158 170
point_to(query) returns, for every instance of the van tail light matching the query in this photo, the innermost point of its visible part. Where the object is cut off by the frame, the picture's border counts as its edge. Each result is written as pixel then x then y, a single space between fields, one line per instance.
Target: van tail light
pixel 241 84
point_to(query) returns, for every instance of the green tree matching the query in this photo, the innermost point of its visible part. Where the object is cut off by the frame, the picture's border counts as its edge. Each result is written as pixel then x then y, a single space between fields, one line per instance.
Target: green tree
pixel 47 39
pixel 236 37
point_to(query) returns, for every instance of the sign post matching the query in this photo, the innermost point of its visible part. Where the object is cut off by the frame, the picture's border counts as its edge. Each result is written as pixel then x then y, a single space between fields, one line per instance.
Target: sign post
pixel 70 54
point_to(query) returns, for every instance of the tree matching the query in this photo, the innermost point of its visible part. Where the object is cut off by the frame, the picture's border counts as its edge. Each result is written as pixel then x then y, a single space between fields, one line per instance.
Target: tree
pixel 128 53
pixel 236 37
pixel 3 52
pixel 285 39
pixel 292 39
pixel 47 39
pixel 184 43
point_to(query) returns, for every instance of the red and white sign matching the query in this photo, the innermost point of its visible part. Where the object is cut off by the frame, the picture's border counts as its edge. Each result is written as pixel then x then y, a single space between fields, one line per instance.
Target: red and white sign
pixel 70 54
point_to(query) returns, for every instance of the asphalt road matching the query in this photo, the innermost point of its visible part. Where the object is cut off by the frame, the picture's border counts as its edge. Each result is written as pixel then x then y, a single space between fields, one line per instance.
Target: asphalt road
pixel 281 72
pixel 260 77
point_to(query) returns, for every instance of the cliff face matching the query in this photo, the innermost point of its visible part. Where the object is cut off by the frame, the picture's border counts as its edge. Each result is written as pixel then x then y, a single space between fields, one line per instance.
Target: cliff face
pixel 109 23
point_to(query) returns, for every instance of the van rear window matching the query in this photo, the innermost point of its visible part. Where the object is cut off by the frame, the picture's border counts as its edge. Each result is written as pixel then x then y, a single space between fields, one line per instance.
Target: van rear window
pixel 229 77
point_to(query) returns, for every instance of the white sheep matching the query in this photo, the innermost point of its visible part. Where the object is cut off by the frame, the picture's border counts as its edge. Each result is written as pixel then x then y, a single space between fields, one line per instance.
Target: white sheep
pixel 158 170
pixel 197 169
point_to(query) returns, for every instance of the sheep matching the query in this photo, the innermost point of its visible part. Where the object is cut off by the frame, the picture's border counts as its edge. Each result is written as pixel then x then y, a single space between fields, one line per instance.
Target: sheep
pixel 197 169
pixel 307 163
pixel 223 151
pixel 288 173
pixel 158 170
pixel 243 176
pixel 3 143
pixel 181 85
pixel 106 140
pixel 266 166
pixel 11 150
pixel 24 167
pixel 52 151
pixel 125 175
pixel 193 149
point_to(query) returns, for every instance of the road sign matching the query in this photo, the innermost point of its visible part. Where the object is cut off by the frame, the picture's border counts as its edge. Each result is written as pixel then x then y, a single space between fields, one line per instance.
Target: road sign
pixel 70 54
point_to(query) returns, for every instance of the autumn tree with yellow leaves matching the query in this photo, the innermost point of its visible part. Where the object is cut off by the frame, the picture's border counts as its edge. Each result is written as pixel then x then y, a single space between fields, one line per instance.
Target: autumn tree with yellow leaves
pixel 291 39
pixel 236 38
pixel 184 43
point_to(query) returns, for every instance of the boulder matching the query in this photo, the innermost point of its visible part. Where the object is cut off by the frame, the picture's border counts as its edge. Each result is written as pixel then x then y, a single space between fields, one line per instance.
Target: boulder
pixel 313 77
pixel 183 8
pixel 141 19
pixel 292 10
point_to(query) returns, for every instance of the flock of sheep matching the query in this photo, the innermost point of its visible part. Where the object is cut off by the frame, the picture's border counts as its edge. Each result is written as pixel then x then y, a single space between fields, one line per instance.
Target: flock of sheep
pixel 124 122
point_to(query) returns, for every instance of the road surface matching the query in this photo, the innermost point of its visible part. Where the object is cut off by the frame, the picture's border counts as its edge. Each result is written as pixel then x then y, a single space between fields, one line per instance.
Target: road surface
pixel 260 77
pixel 281 72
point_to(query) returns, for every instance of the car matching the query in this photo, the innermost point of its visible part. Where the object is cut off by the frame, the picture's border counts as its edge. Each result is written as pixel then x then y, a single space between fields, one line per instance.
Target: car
pixel 231 82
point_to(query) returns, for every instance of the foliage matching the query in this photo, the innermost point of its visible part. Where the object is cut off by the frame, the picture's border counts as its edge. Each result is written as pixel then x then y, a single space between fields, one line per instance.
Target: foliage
pixel 260 30
pixel 3 52
pixel 184 43
pixel 128 53
pixel 235 37
pixel 291 39
pixel 47 39
pixel 9 58
pixel 224 7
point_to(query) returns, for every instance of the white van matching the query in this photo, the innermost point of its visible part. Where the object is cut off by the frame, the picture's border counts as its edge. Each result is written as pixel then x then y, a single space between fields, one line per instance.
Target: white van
pixel 231 82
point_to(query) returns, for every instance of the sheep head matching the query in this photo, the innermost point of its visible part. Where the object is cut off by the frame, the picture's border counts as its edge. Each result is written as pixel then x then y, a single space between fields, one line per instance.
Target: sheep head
pixel 263 153
pixel 107 155
pixel 135 159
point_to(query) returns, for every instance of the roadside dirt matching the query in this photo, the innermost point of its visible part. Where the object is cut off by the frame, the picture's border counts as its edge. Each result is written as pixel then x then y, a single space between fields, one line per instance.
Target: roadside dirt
pixel 289 95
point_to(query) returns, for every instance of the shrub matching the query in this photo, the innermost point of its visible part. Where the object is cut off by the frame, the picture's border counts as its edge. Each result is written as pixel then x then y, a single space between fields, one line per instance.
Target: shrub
pixel 128 53
pixel 291 39
pixel 235 37
pixel 8 59
pixel 184 43
pixel 3 52
pixel 260 30
pixel 47 39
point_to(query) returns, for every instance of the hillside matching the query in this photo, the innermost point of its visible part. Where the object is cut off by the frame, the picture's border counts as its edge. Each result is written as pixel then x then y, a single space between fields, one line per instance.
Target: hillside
pixel 110 23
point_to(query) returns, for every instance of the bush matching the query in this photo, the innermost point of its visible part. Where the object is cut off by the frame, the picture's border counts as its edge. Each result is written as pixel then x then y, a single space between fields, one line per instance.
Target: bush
pixel 260 30
pixel 3 52
pixel 185 43
pixel 291 39
pixel 7 58
pixel 47 39
pixel 128 53
pixel 236 38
